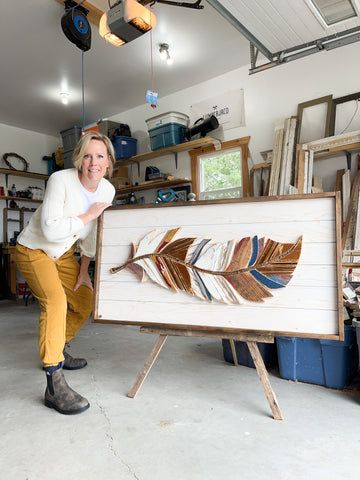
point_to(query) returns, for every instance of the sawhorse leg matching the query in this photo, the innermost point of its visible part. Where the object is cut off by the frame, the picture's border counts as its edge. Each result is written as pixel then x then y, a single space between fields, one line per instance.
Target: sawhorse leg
pixel 264 378
pixel 147 365
pixel 233 351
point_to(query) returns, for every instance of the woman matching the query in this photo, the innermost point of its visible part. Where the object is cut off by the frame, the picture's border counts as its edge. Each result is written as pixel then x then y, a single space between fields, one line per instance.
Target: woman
pixel 74 199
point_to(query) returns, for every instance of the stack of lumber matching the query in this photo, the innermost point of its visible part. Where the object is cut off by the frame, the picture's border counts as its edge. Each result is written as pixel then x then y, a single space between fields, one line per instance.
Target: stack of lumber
pixel 283 158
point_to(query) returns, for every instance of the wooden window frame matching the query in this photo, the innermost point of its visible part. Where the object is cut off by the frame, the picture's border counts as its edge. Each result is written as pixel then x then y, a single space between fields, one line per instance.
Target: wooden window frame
pixel 243 143
pixel 335 103
pixel 328 99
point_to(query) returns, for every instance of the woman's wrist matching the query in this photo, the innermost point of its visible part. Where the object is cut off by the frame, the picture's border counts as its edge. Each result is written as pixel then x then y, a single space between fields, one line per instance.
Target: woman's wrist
pixel 85 218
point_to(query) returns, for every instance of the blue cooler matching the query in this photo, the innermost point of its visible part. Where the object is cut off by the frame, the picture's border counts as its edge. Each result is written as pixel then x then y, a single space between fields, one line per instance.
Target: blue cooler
pixel 167 129
pixel 167 135
pixel 324 362
pixel 267 351
pixel 125 147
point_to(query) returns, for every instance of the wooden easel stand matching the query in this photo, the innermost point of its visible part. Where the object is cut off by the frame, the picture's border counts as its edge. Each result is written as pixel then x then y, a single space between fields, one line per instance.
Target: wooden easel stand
pixel 250 339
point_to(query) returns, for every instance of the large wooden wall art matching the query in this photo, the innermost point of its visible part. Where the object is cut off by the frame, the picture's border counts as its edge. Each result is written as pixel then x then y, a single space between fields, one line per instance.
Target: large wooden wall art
pixel 309 304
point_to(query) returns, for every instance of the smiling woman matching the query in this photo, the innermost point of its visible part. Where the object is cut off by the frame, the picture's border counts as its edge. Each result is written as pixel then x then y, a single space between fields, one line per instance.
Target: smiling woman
pixel 74 199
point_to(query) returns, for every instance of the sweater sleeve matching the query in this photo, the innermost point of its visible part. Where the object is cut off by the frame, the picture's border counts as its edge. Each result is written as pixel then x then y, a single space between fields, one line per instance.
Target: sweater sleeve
pixel 87 246
pixel 56 227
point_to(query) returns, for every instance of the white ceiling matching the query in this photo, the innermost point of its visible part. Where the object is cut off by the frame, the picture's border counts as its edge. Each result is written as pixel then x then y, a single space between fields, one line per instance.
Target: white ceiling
pixel 283 24
pixel 37 60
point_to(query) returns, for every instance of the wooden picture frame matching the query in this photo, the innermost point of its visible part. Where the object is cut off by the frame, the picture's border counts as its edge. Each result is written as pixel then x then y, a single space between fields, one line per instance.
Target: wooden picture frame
pixel 311 103
pixel 309 306
pixel 335 103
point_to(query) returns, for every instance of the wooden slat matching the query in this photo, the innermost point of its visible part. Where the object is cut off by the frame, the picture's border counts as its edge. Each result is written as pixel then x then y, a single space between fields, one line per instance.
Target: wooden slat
pixel 338 221
pixel 243 317
pixel 334 143
pixel 178 332
pixel 297 297
pixel 321 233
pixel 99 237
pixel 300 170
pixel 147 366
pixel 259 166
pixel 346 187
pixel 210 142
pixel 275 169
pixel 338 181
pixel 264 378
pixel 284 159
pixel 260 209
pixel 349 224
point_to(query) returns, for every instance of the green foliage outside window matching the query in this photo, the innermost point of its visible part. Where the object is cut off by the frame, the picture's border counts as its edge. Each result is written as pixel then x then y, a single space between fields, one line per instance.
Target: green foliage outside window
pixel 221 172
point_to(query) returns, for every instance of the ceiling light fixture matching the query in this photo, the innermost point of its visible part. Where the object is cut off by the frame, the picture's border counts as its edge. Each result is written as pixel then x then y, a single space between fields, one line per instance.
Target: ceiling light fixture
pixel 164 53
pixel 64 98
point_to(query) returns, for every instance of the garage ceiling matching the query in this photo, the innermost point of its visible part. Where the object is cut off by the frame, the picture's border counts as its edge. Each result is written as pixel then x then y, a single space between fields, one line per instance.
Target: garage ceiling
pixel 38 62
pixel 285 30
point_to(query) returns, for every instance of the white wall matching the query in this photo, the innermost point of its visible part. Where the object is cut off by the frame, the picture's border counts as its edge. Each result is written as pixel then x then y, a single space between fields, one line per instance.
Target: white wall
pixel 270 97
pixel 32 146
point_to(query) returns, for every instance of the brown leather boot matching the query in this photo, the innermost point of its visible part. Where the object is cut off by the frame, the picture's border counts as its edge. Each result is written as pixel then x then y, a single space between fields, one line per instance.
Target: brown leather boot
pixel 61 397
pixel 71 363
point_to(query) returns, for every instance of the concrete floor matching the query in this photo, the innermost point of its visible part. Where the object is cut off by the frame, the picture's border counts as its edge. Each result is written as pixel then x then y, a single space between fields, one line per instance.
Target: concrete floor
pixel 195 417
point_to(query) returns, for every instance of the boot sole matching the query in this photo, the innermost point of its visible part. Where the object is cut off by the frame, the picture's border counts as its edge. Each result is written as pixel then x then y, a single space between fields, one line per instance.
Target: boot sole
pixel 66 412
pixel 73 368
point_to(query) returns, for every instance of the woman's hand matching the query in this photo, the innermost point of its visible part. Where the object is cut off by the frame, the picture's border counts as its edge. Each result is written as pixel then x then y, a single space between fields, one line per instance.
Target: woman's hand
pixel 83 279
pixel 94 211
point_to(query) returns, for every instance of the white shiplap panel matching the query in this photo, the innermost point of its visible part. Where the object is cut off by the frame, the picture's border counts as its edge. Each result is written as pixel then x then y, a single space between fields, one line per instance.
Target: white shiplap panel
pixel 239 212
pixel 311 294
pixel 323 232
pixel 222 316
pixel 304 298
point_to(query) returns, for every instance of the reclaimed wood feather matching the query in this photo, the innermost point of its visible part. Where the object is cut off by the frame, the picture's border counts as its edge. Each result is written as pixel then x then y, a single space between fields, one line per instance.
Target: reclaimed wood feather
pixel 226 272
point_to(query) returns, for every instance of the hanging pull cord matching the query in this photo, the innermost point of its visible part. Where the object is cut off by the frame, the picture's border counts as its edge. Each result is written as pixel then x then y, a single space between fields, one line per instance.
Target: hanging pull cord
pixel 152 62
pixel 82 90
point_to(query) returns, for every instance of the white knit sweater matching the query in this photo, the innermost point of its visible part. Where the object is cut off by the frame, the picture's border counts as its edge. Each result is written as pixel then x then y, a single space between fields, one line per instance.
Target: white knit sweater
pixel 55 226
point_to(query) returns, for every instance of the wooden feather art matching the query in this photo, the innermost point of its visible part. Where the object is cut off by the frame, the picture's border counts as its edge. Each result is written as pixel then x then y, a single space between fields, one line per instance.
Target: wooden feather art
pixel 227 272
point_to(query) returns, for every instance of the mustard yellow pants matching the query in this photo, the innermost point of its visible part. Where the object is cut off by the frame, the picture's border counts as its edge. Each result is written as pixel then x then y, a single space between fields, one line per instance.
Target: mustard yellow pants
pixel 62 311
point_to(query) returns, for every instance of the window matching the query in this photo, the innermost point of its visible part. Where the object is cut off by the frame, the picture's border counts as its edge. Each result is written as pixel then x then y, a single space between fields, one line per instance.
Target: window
pixel 333 11
pixel 221 174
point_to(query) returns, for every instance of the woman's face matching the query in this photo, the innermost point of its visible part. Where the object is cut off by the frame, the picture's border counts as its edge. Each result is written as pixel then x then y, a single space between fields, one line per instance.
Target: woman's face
pixel 95 161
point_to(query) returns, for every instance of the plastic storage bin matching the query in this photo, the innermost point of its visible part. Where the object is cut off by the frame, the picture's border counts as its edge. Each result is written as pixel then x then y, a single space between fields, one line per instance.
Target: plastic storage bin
pixel 106 127
pixel 168 117
pixel 324 362
pixel 70 138
pixel 125 147
pixel 167 135
pixel 267 351
pixel 68 159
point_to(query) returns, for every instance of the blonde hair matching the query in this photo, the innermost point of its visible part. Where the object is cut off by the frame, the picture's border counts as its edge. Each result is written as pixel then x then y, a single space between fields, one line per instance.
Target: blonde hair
pixel 82 145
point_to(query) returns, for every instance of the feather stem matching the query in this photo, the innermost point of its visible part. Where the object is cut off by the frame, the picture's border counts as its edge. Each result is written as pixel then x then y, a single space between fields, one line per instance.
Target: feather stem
pixel 199 269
